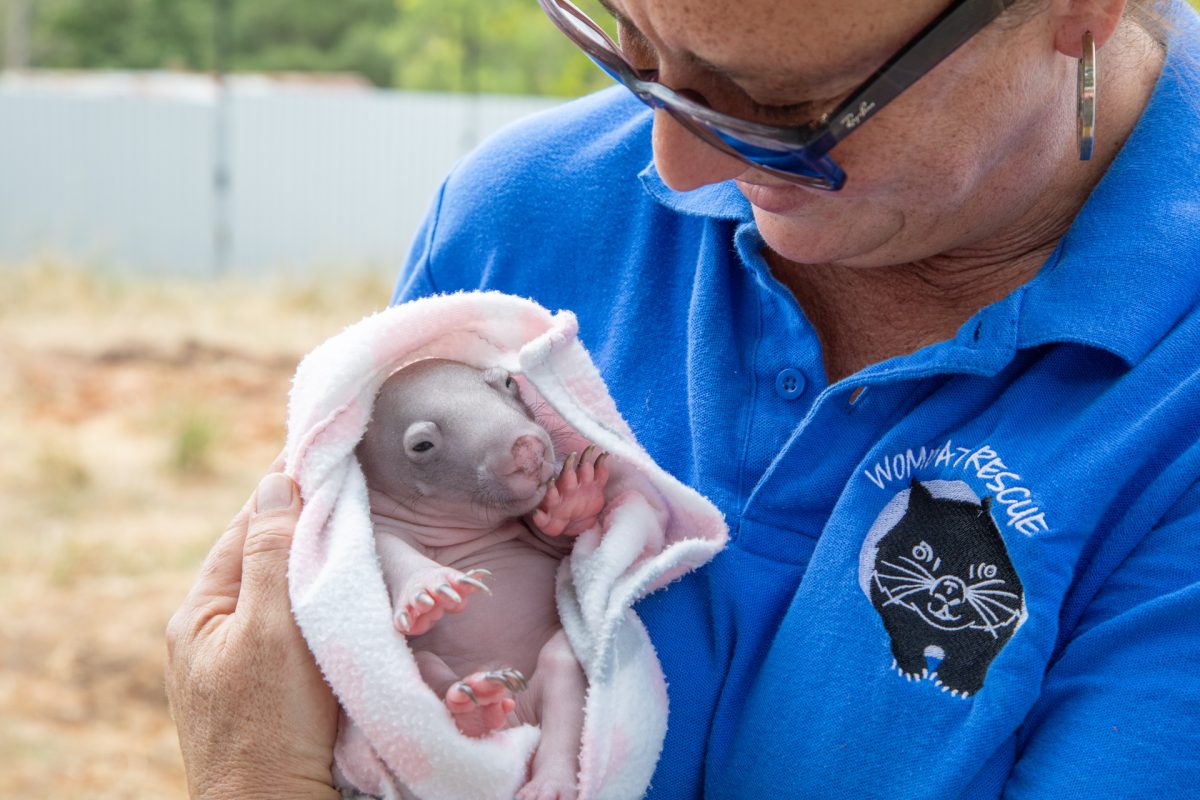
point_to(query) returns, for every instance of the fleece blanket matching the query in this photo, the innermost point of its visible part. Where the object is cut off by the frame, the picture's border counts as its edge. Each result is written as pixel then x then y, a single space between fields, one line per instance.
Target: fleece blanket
pixel 404 742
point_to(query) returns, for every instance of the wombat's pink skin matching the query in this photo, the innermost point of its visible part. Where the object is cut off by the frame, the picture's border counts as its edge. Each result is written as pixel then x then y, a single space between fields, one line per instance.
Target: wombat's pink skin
pixel 463 499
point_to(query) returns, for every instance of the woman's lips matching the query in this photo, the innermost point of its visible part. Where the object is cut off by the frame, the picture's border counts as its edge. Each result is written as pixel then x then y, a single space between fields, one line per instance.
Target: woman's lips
pixel 775 198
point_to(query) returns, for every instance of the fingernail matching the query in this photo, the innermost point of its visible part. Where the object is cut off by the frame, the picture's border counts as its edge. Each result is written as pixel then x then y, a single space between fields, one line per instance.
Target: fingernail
pixel 275 491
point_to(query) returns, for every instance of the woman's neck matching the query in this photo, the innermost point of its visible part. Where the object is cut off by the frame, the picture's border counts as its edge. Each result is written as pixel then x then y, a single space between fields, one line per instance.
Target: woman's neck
pixel 867 315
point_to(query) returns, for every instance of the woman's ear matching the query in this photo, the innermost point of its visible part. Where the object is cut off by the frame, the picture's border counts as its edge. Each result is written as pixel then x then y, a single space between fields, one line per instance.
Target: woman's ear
pixel 1073 17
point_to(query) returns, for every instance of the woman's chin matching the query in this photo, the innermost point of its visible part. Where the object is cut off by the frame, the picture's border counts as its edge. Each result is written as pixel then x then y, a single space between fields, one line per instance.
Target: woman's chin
pixel 819 233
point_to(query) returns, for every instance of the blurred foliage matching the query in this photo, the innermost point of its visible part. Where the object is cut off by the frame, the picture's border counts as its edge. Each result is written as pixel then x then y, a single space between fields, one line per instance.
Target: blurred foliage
pixel 346 35
pixel 500 45
pixel 194 443
pixel 125 34
pixel 505 46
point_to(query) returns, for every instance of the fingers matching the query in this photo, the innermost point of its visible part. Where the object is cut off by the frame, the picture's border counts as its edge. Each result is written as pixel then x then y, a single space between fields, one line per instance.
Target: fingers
pixel 572 501
pixel 415 623
pixel 215 591
pixel 567 479
pixel 551 526
pixel 587 464
pixel 447 591
pixel 601 467
pixel 582 469
pixel 267 544
pixel 511 679
pixel 494 716
pixel 221 573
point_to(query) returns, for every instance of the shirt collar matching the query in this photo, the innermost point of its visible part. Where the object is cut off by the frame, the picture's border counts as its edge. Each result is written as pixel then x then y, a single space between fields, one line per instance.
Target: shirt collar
pixel 716 201
pixel 1129 267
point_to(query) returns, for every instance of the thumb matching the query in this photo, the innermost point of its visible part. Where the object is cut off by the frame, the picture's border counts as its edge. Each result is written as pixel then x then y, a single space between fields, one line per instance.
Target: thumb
pixel 268 542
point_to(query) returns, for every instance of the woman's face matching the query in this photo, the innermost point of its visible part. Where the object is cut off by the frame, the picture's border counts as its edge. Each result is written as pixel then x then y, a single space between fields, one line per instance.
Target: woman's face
pixel 977 147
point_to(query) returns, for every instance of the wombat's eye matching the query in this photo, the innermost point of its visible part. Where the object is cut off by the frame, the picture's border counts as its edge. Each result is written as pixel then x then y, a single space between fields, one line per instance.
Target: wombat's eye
pixel 510 383
pixel 421 440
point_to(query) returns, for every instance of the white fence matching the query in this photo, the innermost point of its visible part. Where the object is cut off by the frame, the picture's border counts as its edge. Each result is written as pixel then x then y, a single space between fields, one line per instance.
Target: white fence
pixel 120 170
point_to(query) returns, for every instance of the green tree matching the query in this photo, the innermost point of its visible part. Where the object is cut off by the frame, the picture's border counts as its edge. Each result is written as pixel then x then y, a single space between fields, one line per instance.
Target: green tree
pixel 493 46
pixel 505 46
pixel 122 34
pixel 315 35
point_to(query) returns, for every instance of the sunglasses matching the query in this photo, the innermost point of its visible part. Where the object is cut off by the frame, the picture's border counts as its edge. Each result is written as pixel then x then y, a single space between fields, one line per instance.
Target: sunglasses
pixel 796 154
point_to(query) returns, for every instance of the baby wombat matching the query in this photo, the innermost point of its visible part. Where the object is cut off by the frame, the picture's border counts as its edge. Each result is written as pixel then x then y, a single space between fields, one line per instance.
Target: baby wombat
pixel 462 488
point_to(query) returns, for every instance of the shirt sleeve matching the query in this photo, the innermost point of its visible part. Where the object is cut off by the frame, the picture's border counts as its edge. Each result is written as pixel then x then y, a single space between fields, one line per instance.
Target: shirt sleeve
pixel 1119 712
pixel 416 276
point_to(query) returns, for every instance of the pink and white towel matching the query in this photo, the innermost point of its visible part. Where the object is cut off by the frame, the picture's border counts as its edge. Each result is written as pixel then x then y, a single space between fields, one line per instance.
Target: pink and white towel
pixel 653 530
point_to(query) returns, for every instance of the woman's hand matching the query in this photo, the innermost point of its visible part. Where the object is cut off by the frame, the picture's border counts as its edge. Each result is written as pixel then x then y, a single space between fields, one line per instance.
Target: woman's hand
pixel 255 717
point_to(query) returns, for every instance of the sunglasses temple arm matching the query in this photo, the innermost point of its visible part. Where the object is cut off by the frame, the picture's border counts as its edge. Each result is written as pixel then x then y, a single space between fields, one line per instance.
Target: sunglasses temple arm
pixel 928 49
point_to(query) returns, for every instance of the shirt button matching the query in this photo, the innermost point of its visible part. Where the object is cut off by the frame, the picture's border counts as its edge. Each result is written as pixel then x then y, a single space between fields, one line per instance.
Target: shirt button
pixel 789 383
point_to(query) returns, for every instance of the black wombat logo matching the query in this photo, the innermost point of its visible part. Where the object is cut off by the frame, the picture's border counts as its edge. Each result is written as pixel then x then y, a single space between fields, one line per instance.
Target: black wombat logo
pixel 942 581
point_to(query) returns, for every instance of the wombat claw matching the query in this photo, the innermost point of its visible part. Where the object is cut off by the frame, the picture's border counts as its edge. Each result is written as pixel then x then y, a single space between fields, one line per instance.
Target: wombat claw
pixel 469 579
pixel 447 591
pixel 511 678
pixel 467 690
pixel 426 599
pixel 476 584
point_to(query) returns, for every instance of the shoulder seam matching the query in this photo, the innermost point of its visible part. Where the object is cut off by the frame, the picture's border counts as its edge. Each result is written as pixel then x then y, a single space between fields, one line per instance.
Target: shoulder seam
pixel 436 218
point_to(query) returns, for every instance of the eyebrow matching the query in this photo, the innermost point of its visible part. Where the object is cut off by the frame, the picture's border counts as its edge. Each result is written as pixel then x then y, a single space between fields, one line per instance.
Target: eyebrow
pixel 695 60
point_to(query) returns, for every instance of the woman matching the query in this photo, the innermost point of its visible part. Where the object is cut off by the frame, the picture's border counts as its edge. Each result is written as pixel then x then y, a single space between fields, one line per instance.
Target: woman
pixel 937 370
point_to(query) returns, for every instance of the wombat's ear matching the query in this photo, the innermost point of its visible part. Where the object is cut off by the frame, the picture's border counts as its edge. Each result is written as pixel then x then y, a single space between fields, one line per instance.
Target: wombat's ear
pixel 422 441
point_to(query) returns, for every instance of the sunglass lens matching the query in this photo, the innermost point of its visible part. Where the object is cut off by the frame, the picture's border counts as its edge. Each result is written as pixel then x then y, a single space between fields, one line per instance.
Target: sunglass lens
pixel 821 173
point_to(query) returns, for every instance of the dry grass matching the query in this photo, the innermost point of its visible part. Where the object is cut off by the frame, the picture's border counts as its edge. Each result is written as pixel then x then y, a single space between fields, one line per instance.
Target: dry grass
pixel 138 416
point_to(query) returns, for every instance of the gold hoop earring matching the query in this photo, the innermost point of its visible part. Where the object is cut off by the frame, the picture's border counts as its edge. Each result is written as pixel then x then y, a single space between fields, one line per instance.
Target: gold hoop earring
pixel 1086 91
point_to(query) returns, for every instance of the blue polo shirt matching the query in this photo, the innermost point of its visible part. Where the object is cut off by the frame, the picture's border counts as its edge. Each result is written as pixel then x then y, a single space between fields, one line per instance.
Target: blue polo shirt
pixel 972 571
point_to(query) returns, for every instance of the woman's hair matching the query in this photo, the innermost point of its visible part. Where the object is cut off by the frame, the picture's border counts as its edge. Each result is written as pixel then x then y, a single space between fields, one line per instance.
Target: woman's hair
pixel 1152 16
pixel 1161 20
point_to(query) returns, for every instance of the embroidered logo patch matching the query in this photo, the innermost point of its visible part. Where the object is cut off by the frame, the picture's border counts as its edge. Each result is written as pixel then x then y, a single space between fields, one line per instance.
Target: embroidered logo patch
pixel 935 567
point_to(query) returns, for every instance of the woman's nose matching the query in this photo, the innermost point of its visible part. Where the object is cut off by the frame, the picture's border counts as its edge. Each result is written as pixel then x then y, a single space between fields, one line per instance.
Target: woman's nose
pixel 685 161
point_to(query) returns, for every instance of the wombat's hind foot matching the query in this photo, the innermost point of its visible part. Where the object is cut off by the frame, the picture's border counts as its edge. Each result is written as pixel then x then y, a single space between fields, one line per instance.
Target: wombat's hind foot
pixel 548 784
pixel 481 702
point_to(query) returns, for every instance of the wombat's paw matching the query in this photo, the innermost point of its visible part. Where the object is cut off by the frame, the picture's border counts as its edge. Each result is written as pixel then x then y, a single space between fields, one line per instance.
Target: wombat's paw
pixel 575 498
pixel 481 702
pixel 547 783
pixel 433 592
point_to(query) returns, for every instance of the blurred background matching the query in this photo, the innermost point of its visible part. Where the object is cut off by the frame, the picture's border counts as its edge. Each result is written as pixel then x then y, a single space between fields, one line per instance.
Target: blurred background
pixel 205 136
pixel 193 194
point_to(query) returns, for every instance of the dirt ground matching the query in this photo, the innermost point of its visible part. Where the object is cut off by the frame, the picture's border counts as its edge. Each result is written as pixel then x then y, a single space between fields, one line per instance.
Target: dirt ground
pixel 138 415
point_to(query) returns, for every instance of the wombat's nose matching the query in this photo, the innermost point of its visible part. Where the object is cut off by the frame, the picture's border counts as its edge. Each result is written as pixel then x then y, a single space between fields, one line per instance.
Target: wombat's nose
pixel 528 453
